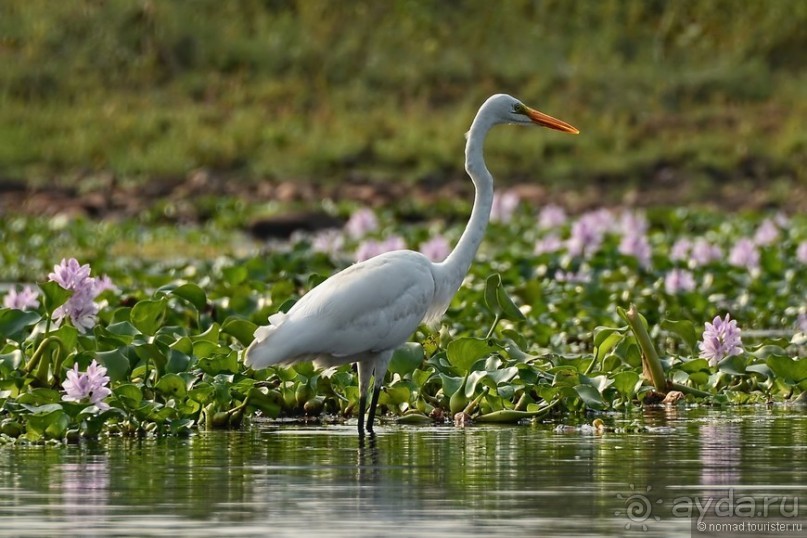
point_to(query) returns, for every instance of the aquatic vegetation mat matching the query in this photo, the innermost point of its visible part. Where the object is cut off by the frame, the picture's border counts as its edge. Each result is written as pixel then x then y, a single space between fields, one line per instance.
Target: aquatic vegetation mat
pixel 562 318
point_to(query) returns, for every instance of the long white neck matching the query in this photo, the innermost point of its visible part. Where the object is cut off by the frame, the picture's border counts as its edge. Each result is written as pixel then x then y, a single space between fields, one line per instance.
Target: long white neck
pixel 453 270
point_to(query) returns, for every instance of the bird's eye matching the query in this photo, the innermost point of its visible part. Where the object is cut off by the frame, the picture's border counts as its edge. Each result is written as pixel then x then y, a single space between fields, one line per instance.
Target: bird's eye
pixel 518 108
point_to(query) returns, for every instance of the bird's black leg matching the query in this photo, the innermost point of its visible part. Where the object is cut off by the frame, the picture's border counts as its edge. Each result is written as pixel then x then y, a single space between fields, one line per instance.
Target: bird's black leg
pixel 362 409
pixel 373 404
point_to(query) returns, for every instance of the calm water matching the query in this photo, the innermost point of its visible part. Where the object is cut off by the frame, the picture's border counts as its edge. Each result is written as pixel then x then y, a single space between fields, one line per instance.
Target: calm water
pixel 408 481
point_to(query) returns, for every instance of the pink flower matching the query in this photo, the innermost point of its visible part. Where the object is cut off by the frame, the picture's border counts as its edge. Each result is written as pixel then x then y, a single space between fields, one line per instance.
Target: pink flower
pixel 371 248
pixel 550 243
pixel 767 233
pixel 329 241
pixel 103 284
pixel 602 218
pixel 635 244
pixel 587 234
pixel 680 250
pixel 704 253
pixel 69 274
pixel 551 216
pixel 436 248
pixel 361 222
pixel 781 220
pixel 744 254
pixel 721 339
pixel 504 206
pixel 677 281
pixel 633 222
pixel 801 252
pixel 90 386
pixel 26 299
pixel 80 307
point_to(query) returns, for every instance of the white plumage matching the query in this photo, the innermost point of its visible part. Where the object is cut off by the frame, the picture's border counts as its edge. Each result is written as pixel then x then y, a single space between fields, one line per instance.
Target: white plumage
pixel 363 313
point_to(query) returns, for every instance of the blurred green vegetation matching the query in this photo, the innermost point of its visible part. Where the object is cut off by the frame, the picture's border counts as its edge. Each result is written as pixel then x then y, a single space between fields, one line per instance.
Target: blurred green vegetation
pixel 710 90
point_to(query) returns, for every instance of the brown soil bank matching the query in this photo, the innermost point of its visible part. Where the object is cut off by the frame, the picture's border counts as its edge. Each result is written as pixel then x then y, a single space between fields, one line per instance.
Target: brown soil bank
pixel 107 198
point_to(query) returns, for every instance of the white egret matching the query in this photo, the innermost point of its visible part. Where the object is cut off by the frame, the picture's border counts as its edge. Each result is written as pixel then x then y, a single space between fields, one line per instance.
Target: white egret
pixel 363 313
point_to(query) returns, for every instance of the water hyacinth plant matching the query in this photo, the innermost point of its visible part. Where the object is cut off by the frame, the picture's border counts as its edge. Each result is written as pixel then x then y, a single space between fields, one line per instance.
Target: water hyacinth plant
pixel 91 386
pixel 721 339
pixel 80 307
pixel 544 333
pixel 25 299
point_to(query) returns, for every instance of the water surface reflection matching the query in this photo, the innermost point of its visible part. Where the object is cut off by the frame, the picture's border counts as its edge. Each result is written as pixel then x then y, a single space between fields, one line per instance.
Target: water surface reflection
pixel 485 481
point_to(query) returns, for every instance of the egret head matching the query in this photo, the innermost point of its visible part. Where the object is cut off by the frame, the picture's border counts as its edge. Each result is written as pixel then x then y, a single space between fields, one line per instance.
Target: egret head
pixel 507 109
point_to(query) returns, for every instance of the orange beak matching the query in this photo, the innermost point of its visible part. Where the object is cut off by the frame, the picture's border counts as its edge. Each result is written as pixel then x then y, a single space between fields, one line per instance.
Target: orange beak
pixel 548 121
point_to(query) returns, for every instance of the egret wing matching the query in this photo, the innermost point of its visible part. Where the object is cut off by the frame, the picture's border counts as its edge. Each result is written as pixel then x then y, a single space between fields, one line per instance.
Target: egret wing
pixel 371 306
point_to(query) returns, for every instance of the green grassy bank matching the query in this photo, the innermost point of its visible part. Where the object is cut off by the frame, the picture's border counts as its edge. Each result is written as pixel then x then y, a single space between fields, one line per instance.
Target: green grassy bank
pixel 691 92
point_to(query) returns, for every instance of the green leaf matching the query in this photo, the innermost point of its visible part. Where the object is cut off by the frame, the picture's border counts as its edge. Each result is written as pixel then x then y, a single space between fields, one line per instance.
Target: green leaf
pixel 177 362
pixel 107 339
pixel 123 328
pixel 685 329
pixel 398 394
pixel 590 396
pixel 50 424
pixel 627 383
pixel 269 402
pixel 472 381
pixel 600 382
pixel 147 315
pixel 699 378
pixel 234 274
pixel 243 330
pixel 116 363
pixel 695 365
pixel 793 371
pixel 161 414
pixel 414 418
pixel 601 334
pixel 734 365
pixel 130 395
pixel 172 385
pixel 202 392
pixel 9 362
pixel 508 416
pixel 193 294
pixel 305 369
pixel 204 348
pixel 183 344
pixel 13 321
pixel 761 369
pixel 152 352
pixel 491 298
pixel 406 359
pixel 218 364
pixel 765 352
pixel 605 338
pixel 451 384
pixel 517 338
pixel 565 376
pixel 180 425
pixel 40 397
pixel 421 377
pixel 502 375
pixel 498 301
pixel 509 308
pixel 210 335
pixel 464 352
pixel 53 296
